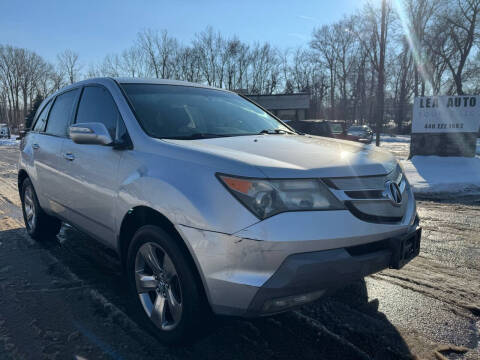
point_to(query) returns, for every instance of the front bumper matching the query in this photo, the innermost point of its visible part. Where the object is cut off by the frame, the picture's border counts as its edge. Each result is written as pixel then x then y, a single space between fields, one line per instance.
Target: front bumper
pixel 277 258
pixel 305 277
pixel 365 141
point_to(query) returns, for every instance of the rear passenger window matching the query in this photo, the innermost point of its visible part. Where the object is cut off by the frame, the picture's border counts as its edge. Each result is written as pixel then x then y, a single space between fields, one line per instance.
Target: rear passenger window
pixel 97 105
pixel 42 118
pixel 61 113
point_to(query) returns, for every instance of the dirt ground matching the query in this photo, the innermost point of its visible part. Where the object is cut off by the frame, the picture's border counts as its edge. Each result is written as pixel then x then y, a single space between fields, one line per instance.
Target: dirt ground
pixel 67 299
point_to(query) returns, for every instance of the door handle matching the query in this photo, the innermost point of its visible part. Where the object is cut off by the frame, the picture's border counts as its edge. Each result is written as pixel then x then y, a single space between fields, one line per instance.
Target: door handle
pixel 69 156
pixel 35 146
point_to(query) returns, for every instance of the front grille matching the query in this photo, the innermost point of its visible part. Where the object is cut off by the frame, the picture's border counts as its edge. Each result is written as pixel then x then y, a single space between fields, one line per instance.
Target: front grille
pixel 366 196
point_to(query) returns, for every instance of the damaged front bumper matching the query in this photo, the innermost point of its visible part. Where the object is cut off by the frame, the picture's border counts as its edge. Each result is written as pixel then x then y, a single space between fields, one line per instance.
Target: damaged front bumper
pixel 309 276
pixel 246 276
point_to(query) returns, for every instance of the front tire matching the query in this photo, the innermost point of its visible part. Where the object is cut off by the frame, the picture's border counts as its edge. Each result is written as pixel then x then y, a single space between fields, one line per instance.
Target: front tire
pixel 164 286
pixel 39 225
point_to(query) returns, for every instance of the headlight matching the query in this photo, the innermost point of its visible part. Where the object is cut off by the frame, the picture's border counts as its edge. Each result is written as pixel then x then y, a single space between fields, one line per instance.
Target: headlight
pixel 265 198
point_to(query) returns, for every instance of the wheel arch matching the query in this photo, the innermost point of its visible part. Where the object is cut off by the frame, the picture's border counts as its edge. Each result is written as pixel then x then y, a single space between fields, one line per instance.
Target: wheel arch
pixel 139 216
pixel 22 175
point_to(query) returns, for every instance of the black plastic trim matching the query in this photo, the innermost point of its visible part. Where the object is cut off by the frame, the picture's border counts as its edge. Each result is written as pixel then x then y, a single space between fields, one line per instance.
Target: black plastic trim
pixel 365 194
pixel 372 218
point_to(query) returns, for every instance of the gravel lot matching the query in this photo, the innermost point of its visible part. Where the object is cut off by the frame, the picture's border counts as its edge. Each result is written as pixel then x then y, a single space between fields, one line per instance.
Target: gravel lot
pixel 67 299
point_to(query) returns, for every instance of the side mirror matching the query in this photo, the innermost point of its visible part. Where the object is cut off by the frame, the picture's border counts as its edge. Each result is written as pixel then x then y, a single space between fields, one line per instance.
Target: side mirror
pixel 21 134
pixel 90 133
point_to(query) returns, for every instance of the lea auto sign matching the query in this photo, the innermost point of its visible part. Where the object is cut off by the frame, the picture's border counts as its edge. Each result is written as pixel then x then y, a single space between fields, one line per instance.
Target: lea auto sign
pixel 446 114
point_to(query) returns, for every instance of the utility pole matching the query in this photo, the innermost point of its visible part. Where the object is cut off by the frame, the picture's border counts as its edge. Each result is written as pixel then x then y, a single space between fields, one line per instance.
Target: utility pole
pixel 381 74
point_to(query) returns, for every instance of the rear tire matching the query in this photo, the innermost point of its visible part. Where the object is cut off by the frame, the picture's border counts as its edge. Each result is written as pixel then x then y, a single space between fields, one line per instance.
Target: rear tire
pixel 39 225
pixel 161 277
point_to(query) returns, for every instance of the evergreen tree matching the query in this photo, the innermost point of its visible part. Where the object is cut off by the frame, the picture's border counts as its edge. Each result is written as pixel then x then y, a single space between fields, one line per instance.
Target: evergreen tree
pixel 31 114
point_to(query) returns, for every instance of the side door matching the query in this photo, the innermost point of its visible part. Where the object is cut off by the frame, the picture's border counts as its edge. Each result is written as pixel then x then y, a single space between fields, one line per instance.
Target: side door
pixel 47 145
pixel 31 153
pixel 90 171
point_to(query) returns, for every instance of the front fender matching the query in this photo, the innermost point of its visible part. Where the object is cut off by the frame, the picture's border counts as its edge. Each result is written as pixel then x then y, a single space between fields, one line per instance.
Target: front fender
pixel 186 193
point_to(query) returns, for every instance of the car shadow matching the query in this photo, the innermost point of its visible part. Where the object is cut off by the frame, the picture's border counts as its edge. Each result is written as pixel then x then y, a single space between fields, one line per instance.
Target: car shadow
pixel 345 325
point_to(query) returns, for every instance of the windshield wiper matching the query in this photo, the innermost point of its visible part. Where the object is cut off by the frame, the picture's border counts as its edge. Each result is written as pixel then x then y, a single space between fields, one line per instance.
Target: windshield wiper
pixel 196 136
pixel 275 131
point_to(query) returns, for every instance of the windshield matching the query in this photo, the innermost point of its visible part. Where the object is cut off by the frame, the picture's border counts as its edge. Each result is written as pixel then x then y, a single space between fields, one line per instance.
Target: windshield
pixel 183 112
pixel 336 128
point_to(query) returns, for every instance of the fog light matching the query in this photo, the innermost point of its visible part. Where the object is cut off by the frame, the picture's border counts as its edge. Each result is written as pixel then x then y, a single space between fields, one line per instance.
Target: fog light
pixel 279 304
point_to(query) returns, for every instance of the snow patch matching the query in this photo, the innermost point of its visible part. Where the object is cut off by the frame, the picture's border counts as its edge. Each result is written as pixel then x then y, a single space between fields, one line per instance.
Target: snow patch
pixel 395 138
pixel 432 175
pixel 10 142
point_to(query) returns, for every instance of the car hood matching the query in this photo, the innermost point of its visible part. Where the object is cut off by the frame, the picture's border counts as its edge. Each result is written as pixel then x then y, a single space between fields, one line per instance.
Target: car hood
pixel 286 156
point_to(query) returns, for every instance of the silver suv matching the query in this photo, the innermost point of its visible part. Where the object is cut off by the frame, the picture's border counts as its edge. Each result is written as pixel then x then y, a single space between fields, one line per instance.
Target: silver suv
pixel 212 203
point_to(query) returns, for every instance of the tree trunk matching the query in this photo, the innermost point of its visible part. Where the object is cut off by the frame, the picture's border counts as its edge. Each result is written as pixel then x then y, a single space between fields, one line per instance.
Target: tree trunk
pixel 458 84
pixel 381 76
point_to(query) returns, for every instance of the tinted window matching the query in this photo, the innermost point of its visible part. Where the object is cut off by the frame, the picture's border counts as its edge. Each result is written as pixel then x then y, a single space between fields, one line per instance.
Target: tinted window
pixel 97 105
pixel 359 128
pixel 336 128
pixel 321 129
pixel 61 113
pixel 301 126
pixel 42 118
pixel 168 111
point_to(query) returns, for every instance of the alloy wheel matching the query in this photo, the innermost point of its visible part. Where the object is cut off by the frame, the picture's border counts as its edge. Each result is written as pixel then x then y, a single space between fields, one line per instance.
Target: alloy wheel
pixel 29 207
pixel 158 286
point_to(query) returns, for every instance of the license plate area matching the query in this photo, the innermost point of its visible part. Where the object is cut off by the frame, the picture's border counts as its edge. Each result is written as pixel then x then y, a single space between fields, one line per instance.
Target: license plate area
pixel 405 249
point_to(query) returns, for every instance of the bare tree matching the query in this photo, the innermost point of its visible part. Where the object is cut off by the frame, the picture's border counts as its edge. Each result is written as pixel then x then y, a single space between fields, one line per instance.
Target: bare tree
pixel 132 62
pixel 374 35
pixel 21 75
pixel 419 15
pixel 346 52
pixel 264 72
pixel 403 83
pixel 325 43
pixel 210 47
pixel 111 66
pixel 236 56
pixel 69 65
pixel 454 36
pixel 158 49
pixel 381 72
pixel 188 64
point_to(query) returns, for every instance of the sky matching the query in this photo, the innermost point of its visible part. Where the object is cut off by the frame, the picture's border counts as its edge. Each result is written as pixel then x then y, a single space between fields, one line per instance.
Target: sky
pixel 100 27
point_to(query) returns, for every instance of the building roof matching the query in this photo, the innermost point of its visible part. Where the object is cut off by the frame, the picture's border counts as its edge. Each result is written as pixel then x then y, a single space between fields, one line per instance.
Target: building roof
pixel 282 101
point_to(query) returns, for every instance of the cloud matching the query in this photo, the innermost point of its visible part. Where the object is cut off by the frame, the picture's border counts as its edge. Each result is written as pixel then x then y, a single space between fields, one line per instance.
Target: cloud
pixel 298 36
pixel 307 18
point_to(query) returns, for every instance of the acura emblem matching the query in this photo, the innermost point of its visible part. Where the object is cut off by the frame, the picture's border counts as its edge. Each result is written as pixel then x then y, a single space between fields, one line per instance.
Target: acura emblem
pixel 393 193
